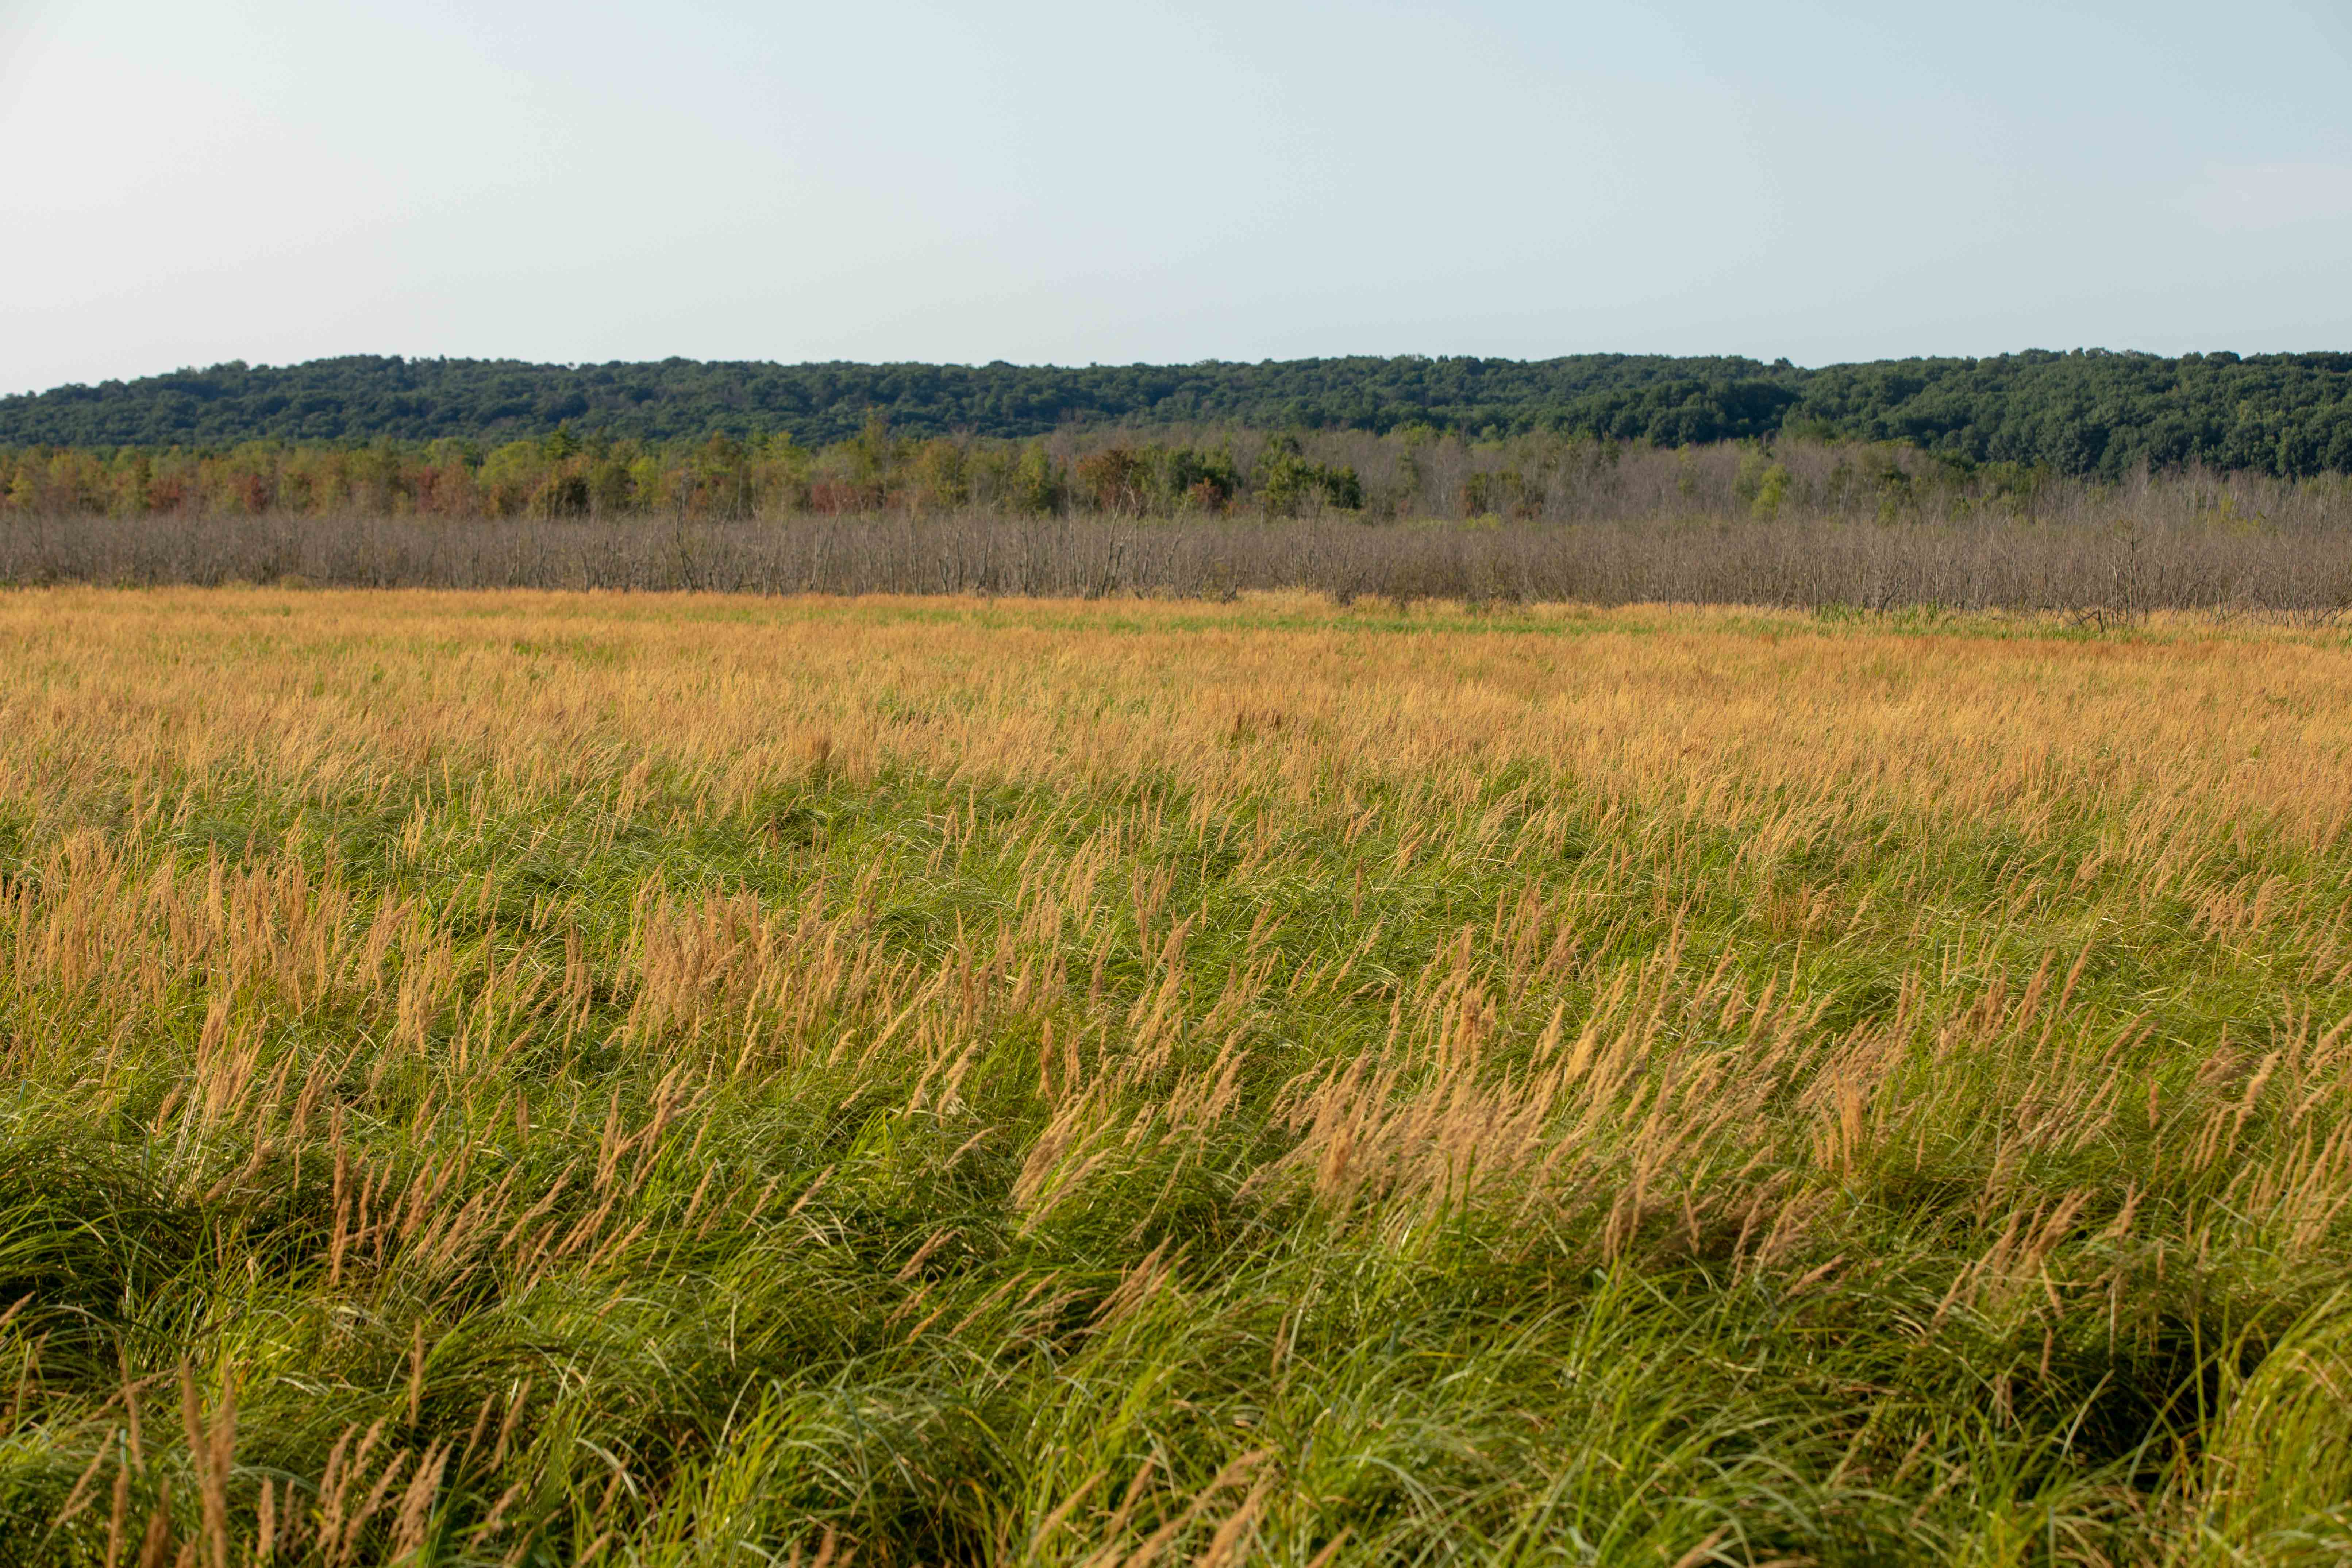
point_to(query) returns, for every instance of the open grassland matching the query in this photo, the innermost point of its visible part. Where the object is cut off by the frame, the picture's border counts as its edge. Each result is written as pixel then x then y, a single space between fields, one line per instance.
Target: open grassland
pixel 521 1079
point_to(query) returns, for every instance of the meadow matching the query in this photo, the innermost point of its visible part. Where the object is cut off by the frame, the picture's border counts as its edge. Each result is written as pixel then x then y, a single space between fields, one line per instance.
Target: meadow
pixel 528 1078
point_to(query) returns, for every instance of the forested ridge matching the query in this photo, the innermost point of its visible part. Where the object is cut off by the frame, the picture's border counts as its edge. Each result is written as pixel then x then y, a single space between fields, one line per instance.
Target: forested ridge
pixel 2089 413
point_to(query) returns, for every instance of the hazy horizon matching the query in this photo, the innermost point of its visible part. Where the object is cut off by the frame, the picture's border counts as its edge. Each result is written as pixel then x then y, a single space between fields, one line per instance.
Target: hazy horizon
pixel 1049 184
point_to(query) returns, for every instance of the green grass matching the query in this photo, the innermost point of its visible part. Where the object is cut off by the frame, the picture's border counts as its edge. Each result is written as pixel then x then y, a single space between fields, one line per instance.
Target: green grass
pixel 938 1169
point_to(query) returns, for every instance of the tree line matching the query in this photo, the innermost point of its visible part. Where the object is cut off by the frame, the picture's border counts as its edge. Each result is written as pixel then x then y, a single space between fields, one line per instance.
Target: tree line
pixel 1415 472
pixel 2087 413
pixel 563 474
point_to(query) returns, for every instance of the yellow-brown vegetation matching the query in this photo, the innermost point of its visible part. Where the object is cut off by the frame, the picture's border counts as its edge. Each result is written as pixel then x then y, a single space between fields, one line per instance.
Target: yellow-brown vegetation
pixel 666 1078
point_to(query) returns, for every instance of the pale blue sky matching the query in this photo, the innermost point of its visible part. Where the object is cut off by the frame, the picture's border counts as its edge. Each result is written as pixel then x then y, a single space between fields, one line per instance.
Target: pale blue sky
pixel 275 180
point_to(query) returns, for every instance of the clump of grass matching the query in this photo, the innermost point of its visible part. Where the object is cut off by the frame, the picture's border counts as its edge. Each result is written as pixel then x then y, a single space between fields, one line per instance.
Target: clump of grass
pixel 927 1081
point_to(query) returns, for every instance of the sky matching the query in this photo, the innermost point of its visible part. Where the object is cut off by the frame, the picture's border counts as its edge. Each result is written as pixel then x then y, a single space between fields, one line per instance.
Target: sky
pixel 1062 183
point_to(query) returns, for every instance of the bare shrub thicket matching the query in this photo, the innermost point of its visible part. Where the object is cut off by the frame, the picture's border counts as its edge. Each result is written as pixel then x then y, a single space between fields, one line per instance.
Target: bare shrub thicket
pixel 2120 569
pixel 1801 525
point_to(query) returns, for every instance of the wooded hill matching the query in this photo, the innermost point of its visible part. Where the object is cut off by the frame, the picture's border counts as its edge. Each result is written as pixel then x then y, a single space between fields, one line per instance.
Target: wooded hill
pixel 2089 413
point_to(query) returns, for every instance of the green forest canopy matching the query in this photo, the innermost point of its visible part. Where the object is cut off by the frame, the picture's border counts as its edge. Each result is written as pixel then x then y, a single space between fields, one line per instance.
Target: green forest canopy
pixel 2087 412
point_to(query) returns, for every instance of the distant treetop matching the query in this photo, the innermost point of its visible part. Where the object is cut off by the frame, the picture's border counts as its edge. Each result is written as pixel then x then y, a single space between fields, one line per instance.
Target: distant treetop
pixel 2087 412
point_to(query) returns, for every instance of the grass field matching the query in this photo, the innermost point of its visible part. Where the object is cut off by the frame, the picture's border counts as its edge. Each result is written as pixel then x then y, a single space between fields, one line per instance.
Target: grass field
pixel 522 1079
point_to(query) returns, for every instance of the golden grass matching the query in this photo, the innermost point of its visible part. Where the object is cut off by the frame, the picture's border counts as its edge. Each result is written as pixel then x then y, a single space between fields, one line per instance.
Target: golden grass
pixel 1092 980
pixel 1724 708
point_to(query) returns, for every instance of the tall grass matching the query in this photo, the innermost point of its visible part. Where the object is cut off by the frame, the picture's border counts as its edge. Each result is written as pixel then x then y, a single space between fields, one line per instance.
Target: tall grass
pixel 509 1079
